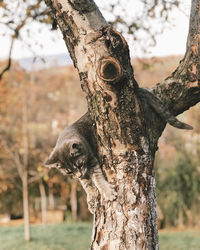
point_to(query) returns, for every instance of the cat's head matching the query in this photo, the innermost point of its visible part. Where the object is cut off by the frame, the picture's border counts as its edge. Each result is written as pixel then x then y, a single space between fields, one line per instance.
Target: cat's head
pixel 70 158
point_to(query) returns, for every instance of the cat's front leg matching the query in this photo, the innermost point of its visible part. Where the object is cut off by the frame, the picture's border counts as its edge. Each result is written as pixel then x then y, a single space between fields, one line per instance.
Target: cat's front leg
pixel 105 188
pixel 91 192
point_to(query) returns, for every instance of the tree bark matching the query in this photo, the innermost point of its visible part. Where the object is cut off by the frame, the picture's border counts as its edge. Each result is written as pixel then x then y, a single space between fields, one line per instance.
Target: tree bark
pixel 181 89
pixel 127 128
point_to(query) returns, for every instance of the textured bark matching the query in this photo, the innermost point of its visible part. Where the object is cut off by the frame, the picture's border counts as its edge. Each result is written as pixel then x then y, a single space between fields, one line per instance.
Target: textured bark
pixel 181 90
pixel 127 129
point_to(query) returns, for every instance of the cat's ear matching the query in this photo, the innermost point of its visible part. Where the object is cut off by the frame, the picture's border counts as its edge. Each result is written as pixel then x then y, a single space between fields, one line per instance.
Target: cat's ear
pixel 53 158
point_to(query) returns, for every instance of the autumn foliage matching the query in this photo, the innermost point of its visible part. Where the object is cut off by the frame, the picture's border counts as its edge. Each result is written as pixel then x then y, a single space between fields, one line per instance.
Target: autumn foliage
pixel 53 99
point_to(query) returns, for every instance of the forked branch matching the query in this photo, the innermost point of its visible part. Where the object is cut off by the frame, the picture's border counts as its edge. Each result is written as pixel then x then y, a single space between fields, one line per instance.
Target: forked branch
pixel 181 90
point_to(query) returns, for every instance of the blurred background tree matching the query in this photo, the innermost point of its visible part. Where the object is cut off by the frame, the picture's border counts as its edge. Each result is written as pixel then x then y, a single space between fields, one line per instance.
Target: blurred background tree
pixel 178 174
pixel 32 111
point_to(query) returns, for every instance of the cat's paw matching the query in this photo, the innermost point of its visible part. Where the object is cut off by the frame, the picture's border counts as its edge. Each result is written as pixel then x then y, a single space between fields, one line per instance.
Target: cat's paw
pixel 91 206
pixel 109 192
pixel 91 201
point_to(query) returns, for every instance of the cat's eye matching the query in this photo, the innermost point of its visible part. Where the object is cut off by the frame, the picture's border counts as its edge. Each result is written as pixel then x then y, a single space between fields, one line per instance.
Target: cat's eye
pixel 75 146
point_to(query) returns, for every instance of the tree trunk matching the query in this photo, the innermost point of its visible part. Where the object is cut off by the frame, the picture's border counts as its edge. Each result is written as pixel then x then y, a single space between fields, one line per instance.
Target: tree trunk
pixel 127 128
pixel 43 202
pixel 130 222
pixel 73 200
pixel 25 172
pixel 26 206
pixel 51 197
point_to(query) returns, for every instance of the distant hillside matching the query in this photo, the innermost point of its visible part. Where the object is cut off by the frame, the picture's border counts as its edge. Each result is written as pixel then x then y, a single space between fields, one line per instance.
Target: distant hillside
pixel 31 63
pixel 147 70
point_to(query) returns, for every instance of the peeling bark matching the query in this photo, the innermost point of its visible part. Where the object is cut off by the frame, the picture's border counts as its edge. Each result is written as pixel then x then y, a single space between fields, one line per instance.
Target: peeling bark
pixel 127 128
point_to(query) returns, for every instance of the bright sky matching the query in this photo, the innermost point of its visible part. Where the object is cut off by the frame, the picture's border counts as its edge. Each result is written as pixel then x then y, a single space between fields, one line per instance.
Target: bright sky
pixel 171 42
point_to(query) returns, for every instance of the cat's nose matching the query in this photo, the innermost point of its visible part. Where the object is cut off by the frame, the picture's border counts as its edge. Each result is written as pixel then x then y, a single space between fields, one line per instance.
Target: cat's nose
pixel 78 174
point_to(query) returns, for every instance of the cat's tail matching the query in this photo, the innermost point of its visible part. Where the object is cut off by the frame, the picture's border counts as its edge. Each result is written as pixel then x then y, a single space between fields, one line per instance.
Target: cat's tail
pixel 162 111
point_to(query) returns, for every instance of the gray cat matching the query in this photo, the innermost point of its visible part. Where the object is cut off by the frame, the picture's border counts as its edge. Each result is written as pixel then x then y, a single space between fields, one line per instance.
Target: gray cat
pixel 75 152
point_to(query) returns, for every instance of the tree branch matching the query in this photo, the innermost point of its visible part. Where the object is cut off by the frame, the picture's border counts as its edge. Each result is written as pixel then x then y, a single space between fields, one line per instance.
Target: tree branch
pixel 17 30
pixel 15 36
pixel 181 90
pixel 14 156
pixel 9 59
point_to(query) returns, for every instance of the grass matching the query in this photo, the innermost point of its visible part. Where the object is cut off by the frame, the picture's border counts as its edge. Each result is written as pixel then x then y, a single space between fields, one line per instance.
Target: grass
pixel 176 240
pixel 78 236
pixel 50 237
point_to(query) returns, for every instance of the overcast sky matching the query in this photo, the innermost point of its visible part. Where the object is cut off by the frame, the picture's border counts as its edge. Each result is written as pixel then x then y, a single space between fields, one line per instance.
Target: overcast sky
pixel 171 42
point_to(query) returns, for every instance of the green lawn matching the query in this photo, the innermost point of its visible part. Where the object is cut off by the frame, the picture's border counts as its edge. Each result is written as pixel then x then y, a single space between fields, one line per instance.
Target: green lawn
pixel 50 237
pixel 179 240
pixel 77 237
